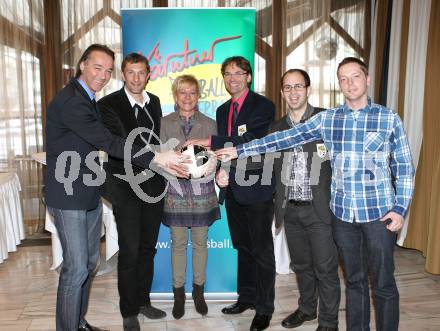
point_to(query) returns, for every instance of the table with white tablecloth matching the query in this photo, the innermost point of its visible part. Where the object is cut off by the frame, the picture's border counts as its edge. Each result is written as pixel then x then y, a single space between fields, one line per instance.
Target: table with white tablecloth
pixel 11 215
pixel 108 228
pixel 282 256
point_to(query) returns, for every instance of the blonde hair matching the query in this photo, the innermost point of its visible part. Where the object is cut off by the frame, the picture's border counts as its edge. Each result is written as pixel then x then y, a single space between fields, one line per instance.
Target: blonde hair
pixel 185 79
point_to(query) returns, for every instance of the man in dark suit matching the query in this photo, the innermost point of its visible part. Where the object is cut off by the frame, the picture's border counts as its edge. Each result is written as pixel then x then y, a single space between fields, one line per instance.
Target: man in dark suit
pixel 302 195
pixel 249 206
pixel 138 220
pixel 74 134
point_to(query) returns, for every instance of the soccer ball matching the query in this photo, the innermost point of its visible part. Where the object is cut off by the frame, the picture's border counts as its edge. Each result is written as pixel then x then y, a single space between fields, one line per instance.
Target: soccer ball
pixel 199 157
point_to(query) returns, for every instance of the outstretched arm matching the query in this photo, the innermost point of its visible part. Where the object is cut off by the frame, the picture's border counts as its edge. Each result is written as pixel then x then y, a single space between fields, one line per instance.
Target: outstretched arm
pixel 298 135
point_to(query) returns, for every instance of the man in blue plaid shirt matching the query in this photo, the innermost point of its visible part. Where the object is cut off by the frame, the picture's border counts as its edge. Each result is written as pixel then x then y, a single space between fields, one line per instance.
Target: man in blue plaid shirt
pixel 372 186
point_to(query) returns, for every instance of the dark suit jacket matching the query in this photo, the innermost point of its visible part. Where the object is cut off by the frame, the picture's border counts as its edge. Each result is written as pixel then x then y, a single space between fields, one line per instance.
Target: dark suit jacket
pixel 73 124
pixel 321 166
pixel 256 113
pixel 119 117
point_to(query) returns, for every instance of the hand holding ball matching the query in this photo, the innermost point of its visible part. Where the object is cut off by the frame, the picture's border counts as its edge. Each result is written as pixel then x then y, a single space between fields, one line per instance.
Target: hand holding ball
pixel 202 161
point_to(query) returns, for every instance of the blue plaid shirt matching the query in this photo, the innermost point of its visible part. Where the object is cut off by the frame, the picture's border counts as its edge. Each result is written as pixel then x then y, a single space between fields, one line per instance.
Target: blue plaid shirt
pixel 369 153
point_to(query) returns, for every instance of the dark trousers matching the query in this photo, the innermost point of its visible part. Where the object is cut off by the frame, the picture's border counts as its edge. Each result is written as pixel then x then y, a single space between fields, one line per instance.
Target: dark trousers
pixel 368 248
pixel 138 224
pixel 251 233
pixel 314 259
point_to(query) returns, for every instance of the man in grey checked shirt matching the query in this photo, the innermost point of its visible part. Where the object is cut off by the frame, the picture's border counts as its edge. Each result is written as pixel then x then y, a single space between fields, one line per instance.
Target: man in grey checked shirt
pixel 371 189
pixel 301 201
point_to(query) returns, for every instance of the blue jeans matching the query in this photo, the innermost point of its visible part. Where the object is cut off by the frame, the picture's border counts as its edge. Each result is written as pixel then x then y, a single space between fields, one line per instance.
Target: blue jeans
pixel 368 248
pixel 79 232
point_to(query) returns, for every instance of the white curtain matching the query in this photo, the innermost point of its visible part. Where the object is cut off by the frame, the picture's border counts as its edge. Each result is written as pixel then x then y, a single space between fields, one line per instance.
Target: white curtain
pixel 372 62
pixel 21 41
pixel 394 58
pixel 415 82
pixel 415 74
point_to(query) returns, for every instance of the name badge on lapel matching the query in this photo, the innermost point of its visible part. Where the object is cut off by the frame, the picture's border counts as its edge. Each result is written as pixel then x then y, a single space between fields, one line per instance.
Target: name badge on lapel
pixel 242 129
pixel 321 150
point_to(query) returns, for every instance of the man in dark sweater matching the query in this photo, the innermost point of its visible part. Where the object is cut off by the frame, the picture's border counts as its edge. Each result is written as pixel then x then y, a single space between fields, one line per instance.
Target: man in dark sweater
pixel 302 195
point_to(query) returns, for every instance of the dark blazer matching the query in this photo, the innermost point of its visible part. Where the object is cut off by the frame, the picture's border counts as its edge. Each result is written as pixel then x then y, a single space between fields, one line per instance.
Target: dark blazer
pixel 257 112
pixel 73 124
pixel 119 117
pixel 320 192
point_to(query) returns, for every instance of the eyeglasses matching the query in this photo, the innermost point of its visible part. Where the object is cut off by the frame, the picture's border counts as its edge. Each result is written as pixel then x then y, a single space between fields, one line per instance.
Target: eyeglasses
pixel 234 74
pixel 296 87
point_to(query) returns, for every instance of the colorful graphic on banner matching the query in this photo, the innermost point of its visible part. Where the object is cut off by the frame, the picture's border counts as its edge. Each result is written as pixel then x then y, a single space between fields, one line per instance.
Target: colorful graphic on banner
pixel 192 41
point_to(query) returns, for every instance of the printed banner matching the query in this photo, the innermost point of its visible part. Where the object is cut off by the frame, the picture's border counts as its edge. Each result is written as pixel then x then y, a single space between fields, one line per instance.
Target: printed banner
pixel 192 41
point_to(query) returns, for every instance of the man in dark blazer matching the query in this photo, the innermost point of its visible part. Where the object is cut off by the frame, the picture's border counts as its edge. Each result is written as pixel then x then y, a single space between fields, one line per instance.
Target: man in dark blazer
pixel 74 134
pixel 137 218
pixel 249 207
pixel 302 196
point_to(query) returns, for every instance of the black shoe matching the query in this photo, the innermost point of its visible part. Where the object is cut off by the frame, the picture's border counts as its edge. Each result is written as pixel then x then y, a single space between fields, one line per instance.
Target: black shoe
pixel 296 319
pixel 260 322
pixel 151 312
pixel 179 302
pixel 237 308
pixel 88 327
pixel 326 328
pixel 131 323
pixel 199 299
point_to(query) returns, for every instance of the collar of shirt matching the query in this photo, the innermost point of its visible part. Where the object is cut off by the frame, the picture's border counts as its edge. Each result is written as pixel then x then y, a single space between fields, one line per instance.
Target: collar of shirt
pixel 184 119
pixel 240 101
pixel 307 114
pixel 366 109
pixel 133 102
pixel 85 87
